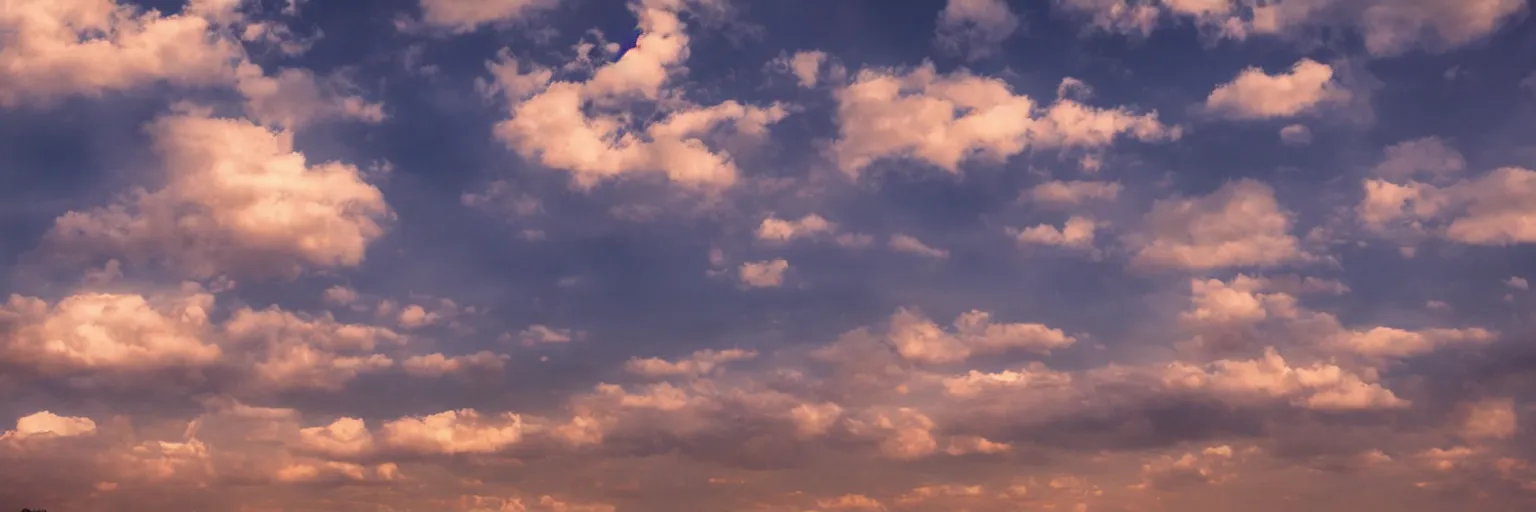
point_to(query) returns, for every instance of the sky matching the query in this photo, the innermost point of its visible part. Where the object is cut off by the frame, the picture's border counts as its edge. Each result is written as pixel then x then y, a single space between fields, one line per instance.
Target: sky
pixel 767 256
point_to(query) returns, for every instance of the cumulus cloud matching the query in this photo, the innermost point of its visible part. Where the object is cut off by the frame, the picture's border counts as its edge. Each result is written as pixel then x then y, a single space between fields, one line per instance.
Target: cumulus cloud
pixel 293 351
pixel 763 274
pixel 1255 94
pixel 975 28
pixel 1483 210
pixel 56 49
pixel 1386 27
pixel 919 339
pixel 700 363
pixel 109 331
pixel 540 334
pixel 467 15
pixel 1319 386
pixel 1493 418
pixel 296 98
pixel 44 423
pixel 1238 225
pixel 1296 135
pixel 453 432
pixel 779 230
pixel 911 245
pixel 1076 233
pixel 238 199
pixel 810 67
pixel 945 120
pixel 437 365
pixel 1427 157
pixel 1065 194
pixel 551 124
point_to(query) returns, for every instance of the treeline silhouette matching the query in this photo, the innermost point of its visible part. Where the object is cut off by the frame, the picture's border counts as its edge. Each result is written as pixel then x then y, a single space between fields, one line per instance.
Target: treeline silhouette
pixel 34 510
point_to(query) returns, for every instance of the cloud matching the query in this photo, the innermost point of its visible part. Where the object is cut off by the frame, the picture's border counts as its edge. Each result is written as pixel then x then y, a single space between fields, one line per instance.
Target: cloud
pixel 1239 225
pixel 1296 135
pixel 467 15
pixel 1076 233
pixel 453 432
pixel 763 274
pixel 806 66
pixel 44 424
pixel 1485 210
pixel 702 362
pixel 540 334
pixel 1255 94
pixel 437 365
pixel 778 230
pixel 293 351
pixel 551 124
pixel 109 331
pixel 1429 156
pixel 296 98
pixel 1320 386
pixel 1064 194
pixel 1492 418
pixel 1386 27
pixel 917 114
pixel 918 339
pixel 238 199
pixel 908 244
pixel 90 48
pixel 975 28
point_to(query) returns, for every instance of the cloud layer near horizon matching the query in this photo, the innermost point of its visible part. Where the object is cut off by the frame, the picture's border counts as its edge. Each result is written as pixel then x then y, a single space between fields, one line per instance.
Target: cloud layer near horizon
pixel 661 255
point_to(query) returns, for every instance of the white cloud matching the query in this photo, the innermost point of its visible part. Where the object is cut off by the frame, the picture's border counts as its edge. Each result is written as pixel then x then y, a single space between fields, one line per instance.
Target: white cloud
pixel 779 230
pixel 340 295
pixel 1064 194
pixel 1498 207
pixel 1296 135
pixel 1239 225
pixel 1493 418
pixel 763 274
pixel 1427 157
pixel 540 334
pixel 1213 302
pixel 1255 94
pixel 237 199
pixel 108 331
pixel 806 66
pixel 1387 27
pixel 975 28
pixel 1076 233
pixel 911 245
pixel 1320 386
pixel 345 437
pixel 583 128
pixel 54 49
pixel 44 423
pixel 467 15
pixel 1397 343
pixel 296 98
pixel 700 363
pixel 945 120
pixel 453 432
pixel 294 351
pixel 437 365
pixel 916 338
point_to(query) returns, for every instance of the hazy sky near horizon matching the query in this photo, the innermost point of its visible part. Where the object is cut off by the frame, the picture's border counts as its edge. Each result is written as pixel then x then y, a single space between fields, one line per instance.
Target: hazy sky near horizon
pixel 733 255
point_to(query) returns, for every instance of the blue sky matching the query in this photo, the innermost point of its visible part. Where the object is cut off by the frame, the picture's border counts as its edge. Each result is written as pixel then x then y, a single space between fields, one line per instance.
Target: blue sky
pixel 854 255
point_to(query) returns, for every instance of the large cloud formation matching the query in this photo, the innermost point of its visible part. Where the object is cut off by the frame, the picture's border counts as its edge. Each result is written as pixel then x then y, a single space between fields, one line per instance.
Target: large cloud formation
pixel 534 255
